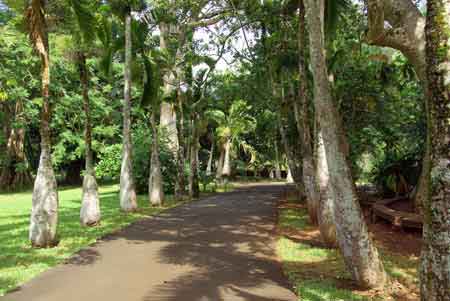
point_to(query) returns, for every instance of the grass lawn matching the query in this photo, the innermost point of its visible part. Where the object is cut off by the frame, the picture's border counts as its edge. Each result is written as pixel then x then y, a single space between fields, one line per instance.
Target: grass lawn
pixel 19 262
pixel 319 274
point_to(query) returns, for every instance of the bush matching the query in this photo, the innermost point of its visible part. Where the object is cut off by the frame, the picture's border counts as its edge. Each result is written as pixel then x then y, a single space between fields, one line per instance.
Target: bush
pixel 109 164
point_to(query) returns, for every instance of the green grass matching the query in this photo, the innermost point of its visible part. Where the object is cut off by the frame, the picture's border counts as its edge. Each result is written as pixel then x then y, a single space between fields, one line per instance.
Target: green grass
pixel 319 274
pixel 313 271
pixel 19 262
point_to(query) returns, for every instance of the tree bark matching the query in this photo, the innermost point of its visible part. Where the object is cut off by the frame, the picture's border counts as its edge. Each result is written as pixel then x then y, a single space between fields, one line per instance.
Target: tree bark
pixel 44 212
pixel 325 210
pixel 90 203
pixel 435 260
pixel 406 34
pixel 127 188
pixel 155 181
pixel 360 255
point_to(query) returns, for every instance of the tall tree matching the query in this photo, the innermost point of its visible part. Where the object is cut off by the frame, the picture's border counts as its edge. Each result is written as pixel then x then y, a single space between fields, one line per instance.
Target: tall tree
pixel 44 212
pixel 303 121
pixel 127 187
pixel 83 36
pixel 435 265
pixel 90 202
pixel 360 255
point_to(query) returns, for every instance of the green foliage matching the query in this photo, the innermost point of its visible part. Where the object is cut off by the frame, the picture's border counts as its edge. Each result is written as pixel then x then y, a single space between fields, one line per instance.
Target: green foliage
pixel 110 160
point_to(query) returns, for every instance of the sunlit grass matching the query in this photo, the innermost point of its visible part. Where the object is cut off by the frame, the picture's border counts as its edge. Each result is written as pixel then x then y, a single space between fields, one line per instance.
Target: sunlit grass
pixel 19 262
pixel 312 270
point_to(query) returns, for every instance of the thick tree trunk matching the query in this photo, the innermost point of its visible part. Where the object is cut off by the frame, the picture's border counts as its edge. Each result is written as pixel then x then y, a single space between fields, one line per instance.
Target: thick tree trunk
pixel 155 181
pixel 210 159
pixel 435 263
pixel 194 189
pixel 90 203
pixel 406 34
pixel 226 170
pixel 44 212
pixel 15 173
pixel 360 255
pixel 168 116
pixel 303 119
pixel 325 210
pixel 127 187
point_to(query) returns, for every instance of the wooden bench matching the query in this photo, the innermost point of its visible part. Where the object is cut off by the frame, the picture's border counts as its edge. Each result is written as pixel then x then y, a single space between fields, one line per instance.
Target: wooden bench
pixel 400 219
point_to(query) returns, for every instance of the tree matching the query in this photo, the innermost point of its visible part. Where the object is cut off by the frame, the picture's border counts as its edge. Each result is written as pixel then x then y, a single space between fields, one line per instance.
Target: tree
pixel 406 33
pixel 44 212
pixel 360 255
pixel 151 98
pixel 303 122
pixel 435 261
pixel 232 127
pixel 127 189
pixel 83 35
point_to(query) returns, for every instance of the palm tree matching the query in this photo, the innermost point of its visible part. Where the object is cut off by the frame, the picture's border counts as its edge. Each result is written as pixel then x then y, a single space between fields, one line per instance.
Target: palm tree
pixel 232 127
pixel 44 213
pixel 83 35
pixel 151 98
pixel 435 261
pixel 360 255
pixel 127 187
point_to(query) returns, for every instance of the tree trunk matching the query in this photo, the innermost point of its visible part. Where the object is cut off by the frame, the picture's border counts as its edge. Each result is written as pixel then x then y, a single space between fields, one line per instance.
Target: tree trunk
pixel 44 212
pixel 127 187
pixel 180 179
pixel 303 119
pixel 277 162
pixel 360 255
pixel 226 170
pixel 325 211
pixel 294 168
pixel 435 261
pixel 406 34
pixel 90 204
pixel 210 159
pixel 155 181
pixel 194 189
pixel 15 173
pixel 220 163
pixel 289 177
pixel 168 116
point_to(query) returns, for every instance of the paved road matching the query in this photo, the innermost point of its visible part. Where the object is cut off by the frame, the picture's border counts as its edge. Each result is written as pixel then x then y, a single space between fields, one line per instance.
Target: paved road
pixel 218 248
